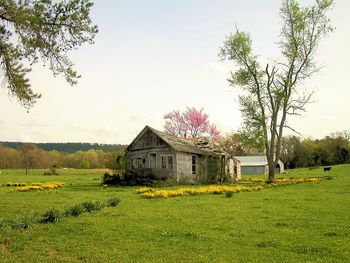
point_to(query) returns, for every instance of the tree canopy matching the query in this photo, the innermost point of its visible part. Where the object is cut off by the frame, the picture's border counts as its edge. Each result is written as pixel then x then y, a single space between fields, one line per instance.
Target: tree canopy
pixel 40 30
pixel 273 92
pixel 192 123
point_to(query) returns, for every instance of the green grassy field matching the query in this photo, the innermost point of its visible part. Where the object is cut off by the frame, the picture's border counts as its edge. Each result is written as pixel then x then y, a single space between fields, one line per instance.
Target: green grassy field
pixel 307 222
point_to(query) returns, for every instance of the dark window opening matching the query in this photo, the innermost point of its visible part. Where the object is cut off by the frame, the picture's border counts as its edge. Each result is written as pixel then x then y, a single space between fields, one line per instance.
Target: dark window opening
pixel 194 164
pixel 167 162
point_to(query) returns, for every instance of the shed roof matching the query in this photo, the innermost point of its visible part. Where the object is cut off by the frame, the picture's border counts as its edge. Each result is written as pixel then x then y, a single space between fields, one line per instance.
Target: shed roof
pixel 258 160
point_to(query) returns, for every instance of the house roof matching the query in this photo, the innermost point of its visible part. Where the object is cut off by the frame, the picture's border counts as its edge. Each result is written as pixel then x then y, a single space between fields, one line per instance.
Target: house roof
pixel 179 144
pixel 176 143
pixel 252 160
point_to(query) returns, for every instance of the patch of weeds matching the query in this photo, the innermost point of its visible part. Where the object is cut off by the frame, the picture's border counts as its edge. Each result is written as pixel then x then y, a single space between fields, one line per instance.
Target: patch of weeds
pixel 23 222
pixel 99 205
pixel 165 234
pixel 281 224
pixel 266 243
pixel 83 258
pixel 218 228
pixel 330 234
pixel 328 177
pixel 52 171
pixel 53 253
pixel 88 206
pixel 193 235
pixel 113 201
pixel 74 210
pixel 50 216
pixel 2 224
pixel 235 234
pixel 261 231
pixel 229 194
pixel 312 250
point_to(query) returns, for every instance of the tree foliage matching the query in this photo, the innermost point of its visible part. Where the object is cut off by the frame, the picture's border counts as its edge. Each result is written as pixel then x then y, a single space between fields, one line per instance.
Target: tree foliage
pixel 239 144
pixel 273 92
pixel 40 30
pixel 30 156
pixel 333 149
pixel 192 123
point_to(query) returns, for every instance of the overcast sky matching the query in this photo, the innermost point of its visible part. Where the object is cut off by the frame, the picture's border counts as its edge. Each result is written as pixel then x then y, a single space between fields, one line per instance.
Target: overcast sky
pixel 151 57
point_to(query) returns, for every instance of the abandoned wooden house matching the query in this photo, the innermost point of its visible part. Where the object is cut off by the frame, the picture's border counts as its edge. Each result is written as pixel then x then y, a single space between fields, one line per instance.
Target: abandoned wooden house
pixel 180 160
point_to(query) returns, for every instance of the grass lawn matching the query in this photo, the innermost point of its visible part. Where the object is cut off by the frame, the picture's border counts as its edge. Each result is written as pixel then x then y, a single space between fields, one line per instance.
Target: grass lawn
pixel 308 222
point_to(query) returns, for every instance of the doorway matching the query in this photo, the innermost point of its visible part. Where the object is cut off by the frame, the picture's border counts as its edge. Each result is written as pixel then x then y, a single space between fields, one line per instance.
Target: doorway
pixel 153 160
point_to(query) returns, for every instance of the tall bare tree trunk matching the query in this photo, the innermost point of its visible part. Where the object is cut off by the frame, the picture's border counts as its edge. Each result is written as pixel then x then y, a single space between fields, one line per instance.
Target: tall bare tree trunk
pixel 272 173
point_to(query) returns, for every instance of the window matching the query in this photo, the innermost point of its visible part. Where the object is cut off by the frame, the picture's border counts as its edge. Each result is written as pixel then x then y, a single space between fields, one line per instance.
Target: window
pixel 167 162
pixel 138 163
pixel 194 164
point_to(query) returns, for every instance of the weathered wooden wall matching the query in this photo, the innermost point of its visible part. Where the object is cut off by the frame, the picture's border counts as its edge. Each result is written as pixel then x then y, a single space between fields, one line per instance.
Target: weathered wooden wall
pixel 184 168
pixel 142 149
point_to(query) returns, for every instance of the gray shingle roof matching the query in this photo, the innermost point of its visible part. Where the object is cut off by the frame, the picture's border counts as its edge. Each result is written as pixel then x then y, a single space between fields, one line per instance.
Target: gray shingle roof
pixel 180 144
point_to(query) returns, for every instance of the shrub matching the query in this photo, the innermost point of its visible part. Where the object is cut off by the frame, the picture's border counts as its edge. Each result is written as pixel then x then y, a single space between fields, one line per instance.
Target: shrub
pixel 23 222
pixel 14 184
pixel 74 210
pixel 88 206
pixel 114 179
pixel 50 216
pixel 113 201
pixel 122 178
pixel 52 171
pixel 229 194
pixel 99 205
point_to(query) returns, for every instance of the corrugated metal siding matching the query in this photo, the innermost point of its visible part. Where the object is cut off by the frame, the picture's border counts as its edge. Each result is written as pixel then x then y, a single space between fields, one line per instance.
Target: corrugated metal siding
pixel 252 170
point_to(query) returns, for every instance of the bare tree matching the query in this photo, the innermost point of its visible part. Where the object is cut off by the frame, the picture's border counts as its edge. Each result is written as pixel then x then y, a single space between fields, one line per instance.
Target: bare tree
pixel 272 92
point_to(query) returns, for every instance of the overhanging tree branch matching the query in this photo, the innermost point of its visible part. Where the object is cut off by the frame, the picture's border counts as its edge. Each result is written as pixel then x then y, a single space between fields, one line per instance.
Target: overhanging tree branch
pixel 39 29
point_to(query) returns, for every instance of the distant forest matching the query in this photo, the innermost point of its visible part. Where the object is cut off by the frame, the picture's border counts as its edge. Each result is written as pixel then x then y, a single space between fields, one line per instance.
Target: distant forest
pixel 69 147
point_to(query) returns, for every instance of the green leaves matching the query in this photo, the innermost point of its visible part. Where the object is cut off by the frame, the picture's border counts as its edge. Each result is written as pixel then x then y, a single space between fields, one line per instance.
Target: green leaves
pixel 237 47
pixel 272 94
pixel 43 30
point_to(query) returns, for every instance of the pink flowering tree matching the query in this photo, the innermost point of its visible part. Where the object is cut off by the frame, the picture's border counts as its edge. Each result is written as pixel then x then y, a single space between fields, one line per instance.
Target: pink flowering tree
pixel 175 124
pixel 192 123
